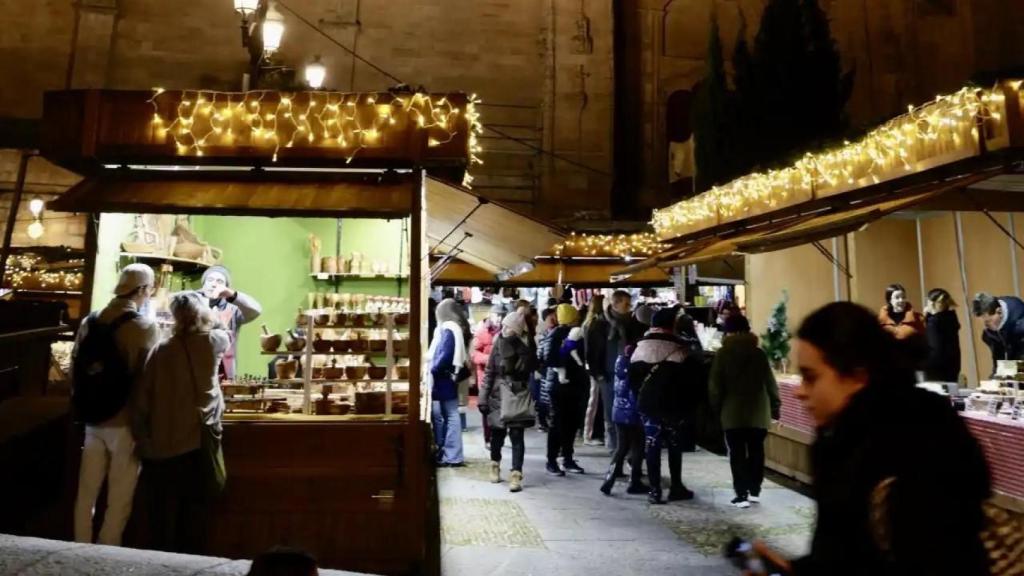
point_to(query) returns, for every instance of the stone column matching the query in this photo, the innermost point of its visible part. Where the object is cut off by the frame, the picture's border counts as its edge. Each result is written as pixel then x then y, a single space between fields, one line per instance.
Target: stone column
pixel 91 43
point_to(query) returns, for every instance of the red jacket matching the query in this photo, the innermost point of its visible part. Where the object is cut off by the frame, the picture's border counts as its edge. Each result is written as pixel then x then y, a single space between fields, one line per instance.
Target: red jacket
pixel 483 342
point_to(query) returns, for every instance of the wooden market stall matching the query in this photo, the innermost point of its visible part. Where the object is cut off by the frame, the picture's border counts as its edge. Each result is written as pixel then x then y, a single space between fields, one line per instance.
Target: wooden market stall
pixel 353 489
pixel 899 205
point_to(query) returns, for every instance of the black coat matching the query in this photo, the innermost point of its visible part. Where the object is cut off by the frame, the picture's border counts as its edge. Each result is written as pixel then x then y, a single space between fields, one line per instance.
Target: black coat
pixel 508 372
pixel 943 332
pixel 1008 342
pixel 596 346
pixel 674 386
pixel 941 480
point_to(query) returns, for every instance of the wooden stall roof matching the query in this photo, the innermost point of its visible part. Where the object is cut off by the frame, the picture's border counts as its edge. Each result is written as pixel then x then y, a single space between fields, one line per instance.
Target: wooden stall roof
pixel 86 129
pixel 483 233
pixel 377 195
pixel 546 273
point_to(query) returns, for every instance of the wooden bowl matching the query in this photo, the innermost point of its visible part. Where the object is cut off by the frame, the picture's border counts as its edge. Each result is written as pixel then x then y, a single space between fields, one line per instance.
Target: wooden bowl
pixel 340 319
pixel 295 344
pixel 317 373
pixel 401 347
pixel 342 346
pixel 322 319
pixel 358 320
pixel 377 372
pixel 322 346
pixel 378 319
pixel 402 372
pixel 286 369
pixel 355 372
pixel 333 372
pixel 378 345
pixel 270 343
pixel 402 319
pixel 358 345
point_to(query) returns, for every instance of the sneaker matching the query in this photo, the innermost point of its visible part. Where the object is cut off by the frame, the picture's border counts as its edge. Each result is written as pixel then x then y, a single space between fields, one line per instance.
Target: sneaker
pixel 495 473
pixel 754 498
pixel 679 493
pixel 573 466
pixel 638 488
pixel 654 497
pixel 593 443
pixel 515 483
pixel 740 502
pixel 554 470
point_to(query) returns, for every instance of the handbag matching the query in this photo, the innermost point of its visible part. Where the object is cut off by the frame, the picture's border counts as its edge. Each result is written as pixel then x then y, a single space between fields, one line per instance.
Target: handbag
pixel 1001 535
pixel 517 403
pixel 215 474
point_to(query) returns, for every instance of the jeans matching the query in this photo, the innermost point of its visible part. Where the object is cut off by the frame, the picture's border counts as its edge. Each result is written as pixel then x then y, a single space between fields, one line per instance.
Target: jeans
pixel 631 442
pixel 178 502
pixel 746 458
pixel 108 453
pixel 662 434
pixel 447 431
pixel 608 398
pixel 516 436
pixel 566 420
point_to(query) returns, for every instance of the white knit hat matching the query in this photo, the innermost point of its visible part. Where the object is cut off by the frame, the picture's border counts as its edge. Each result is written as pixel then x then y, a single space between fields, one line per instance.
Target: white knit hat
pixel 133 276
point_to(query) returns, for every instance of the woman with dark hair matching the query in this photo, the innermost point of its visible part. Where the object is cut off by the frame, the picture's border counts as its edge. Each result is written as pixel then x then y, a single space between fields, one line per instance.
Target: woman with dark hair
pixel 898 479
pixel 898 317
pixel 943 331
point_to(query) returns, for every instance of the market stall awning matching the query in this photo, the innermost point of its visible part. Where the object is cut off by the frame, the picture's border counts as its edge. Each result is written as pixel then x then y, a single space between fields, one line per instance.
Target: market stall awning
pixel 548 273
pixel 485 234
pixel 241 192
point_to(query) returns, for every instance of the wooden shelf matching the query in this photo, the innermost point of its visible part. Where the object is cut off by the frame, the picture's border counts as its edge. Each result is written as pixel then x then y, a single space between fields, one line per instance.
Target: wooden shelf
pixel 350 276
pixel 358 381
pixel 46 292
pixel 183 264
pixel 403 328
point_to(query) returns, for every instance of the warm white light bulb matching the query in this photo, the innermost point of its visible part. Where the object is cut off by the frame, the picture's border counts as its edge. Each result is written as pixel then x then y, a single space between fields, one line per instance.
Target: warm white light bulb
pixel 273 30
pixel 35 206
pixel 246 7
pixel 316 72
pixel 35 230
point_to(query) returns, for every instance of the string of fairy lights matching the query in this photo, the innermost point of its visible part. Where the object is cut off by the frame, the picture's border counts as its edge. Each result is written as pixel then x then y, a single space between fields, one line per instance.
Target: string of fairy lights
pixel 351 122
pixel 618 245
pixel 25 273
pixel 944 129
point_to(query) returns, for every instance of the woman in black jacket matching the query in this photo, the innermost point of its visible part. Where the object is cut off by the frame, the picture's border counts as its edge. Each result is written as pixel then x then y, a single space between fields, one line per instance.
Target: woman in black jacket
pixel 943 330
pixel 899 481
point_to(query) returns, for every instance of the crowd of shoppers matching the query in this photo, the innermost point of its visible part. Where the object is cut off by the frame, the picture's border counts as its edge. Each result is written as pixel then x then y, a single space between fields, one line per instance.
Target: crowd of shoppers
pixel 141 396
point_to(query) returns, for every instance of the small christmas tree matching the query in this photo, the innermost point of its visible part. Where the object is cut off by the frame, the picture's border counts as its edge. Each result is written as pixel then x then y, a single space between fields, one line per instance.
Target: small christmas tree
pixel 775 340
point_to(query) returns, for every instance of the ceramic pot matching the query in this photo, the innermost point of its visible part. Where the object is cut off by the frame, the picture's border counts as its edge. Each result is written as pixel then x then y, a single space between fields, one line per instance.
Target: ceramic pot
pixel 329 265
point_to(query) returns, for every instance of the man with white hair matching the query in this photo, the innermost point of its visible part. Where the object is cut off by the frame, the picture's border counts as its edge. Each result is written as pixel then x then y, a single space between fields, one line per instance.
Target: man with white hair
pixel 110 350
pixel 231 307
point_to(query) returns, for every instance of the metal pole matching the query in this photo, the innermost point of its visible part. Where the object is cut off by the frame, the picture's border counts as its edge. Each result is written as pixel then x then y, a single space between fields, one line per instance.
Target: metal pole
pixel 12 214
pixel 1014 267
pixel 972 358
pixel 837 291
pixel 920 259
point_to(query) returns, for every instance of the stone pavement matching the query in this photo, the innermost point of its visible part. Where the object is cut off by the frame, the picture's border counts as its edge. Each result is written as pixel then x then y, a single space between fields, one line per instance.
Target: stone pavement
pixel 565 526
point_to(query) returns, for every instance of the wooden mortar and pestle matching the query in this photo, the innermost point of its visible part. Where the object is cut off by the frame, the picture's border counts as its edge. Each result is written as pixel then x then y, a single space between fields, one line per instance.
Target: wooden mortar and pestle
pixel 269 342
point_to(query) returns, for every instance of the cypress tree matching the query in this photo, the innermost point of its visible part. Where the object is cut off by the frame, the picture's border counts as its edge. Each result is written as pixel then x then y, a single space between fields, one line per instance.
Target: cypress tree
pixel 710 118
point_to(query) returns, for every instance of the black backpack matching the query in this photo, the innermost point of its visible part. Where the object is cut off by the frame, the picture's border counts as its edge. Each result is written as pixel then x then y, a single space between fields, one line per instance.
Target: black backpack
pixel 101 380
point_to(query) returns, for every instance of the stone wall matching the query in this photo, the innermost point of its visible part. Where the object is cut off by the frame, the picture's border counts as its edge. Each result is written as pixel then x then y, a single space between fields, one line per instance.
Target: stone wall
pixel 544 68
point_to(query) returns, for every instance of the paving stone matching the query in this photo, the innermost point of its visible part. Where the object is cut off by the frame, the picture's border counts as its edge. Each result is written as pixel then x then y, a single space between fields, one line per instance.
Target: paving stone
pixel 486 522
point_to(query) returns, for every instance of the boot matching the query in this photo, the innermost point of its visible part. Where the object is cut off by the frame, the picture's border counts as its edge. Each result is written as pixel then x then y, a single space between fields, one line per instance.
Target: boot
pixel 609 481
pixel 679 492
pixel 636 483
pixel 515 484
pixel 495 472
pixel 654 496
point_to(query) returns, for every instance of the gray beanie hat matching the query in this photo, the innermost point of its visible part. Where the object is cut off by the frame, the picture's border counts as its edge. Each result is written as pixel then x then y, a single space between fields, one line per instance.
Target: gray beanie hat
pixel 220 270
pixel 645 314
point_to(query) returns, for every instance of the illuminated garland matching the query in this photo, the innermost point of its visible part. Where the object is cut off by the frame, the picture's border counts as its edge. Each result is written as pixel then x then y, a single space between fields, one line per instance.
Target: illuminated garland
pixel 618 245
pixel 23 274
pixel 940 131
pixel 350 122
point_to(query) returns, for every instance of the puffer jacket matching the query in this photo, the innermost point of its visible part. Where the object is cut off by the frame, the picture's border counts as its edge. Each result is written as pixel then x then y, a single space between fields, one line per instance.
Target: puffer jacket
pixel 549 360
pixel 624 410
pixel 483 342
pixel 675 373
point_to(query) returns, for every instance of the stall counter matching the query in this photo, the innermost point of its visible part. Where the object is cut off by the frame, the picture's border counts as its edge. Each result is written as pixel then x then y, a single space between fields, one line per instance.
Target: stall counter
pixel 1001 439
